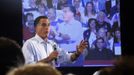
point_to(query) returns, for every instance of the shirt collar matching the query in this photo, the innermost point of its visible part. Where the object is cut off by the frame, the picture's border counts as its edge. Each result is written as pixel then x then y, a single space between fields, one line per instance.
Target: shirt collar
pixel 70 22
pixel 40 40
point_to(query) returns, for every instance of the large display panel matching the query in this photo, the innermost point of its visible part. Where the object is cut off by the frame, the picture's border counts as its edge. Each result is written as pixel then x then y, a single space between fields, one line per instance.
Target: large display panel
pixel 96 21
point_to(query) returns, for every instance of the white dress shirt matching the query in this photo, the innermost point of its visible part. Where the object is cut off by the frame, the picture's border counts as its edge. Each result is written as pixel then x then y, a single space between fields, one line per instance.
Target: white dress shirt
pixel 36 49
pixel 74 30
pixel 91 39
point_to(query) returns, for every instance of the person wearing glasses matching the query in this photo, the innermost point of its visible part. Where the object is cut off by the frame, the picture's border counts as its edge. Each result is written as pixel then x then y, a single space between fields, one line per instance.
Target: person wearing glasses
pixel 40 49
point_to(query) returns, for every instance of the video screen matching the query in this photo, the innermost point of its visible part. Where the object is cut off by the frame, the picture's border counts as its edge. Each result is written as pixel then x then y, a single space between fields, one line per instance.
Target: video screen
pixel 96 21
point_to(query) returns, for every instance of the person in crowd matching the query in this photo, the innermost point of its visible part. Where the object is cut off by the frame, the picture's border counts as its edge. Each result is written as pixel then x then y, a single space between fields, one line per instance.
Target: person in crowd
pixel 114 8
pixel 117 41
pixel 99 5
pixel 35 69
pixel 110 39
pixel 115 21
pixel 61 4
pixel 79 9
pixel 122 66
pixel 43 2
pixel 49 3
pixel 55 3
pixel 40 49
pixel 84 2
pixel 70 31
pixel 32 4
pixel 104 71
pixel 90 33
pixel 89 12
pixel 103 21
pixel 42 9
pixel 10 55
pixel 117 35
pixel 54 21
pixel 108 6
pixel 107 37
pixel 100 52
pixel 29 4
pixel 28 28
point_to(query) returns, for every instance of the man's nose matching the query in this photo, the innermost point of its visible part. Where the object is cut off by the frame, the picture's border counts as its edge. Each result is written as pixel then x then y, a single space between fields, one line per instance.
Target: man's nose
pixel 47 28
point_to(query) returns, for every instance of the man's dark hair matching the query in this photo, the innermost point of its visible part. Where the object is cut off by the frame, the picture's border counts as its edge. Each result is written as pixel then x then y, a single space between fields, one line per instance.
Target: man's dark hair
pixel 38 19
pixel 10 55
pixel 100 38
pixel 72 8
pixel 90 20
pixel 29 14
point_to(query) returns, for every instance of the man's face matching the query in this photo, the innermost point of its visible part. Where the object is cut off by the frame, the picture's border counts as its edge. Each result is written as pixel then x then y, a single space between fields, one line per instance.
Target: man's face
pixel 100 43
pixel 102 32
pixel 77 3
pixel 67 14
pixel 43 28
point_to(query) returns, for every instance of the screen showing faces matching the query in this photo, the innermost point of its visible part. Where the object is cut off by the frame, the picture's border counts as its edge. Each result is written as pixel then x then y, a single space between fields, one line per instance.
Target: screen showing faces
pixel 96 21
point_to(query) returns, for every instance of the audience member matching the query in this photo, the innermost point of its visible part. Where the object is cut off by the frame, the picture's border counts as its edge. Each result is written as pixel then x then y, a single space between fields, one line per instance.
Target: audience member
pixel 10 55
pixel 122 66
pixel 105 35
pixel 100 52
pixel 117 36
pixel 70 30
pixel 90 33
pixel 79 9
pixel 35 69
pixel 117 41
pixel 103 21
pixel 99 5
pixel 28 28
pixel 89 13
pixel 54 21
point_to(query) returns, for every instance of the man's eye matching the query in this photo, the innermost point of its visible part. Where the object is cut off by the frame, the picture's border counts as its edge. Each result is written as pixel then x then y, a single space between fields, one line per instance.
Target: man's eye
pixel 44 24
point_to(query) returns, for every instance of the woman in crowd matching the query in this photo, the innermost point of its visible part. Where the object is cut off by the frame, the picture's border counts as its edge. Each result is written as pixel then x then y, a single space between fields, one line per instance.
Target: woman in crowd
pixel 89 12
